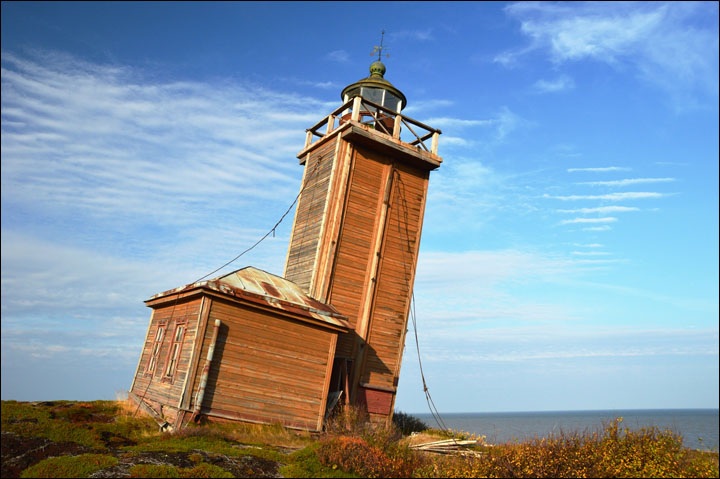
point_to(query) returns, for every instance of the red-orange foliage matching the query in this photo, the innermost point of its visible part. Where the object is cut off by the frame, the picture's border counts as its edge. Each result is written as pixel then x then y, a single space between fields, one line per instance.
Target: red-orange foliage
pixel 355 454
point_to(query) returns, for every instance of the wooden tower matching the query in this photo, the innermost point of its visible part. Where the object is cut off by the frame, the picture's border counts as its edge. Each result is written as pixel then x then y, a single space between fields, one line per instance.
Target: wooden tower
pixel 356 234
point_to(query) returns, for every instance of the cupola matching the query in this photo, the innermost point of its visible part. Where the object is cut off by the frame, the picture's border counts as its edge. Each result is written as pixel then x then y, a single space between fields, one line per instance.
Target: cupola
pixel 376 89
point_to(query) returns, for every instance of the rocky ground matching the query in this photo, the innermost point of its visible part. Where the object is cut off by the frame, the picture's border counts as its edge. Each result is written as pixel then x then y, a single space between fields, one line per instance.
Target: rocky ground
pixel 19 453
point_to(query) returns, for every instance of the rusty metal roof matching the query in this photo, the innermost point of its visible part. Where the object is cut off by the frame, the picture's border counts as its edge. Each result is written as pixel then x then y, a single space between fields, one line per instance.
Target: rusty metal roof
pixel 260 287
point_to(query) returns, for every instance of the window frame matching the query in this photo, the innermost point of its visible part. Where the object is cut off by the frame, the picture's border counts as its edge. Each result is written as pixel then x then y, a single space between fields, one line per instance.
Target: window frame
pixel 174 351
pixel 156 348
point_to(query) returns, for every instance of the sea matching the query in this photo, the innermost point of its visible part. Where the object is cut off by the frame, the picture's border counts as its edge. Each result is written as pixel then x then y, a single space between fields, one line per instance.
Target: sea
pixel 698 427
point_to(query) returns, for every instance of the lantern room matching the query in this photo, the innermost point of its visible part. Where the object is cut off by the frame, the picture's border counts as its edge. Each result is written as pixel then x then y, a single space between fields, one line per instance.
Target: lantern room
pixel 376 89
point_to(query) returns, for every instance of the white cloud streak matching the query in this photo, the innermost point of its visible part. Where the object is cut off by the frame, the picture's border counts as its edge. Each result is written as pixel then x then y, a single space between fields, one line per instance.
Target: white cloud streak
pixel 559 84
pixel 607 219
pixel 655 38
pixel 630 195
pixel 601 210
pixel 502 124
pixel 598 228
pixel 339 56
pixel 601 169
pixel 627 182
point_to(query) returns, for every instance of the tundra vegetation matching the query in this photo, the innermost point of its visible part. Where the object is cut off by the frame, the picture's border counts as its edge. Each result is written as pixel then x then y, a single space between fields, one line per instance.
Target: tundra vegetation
pixel 115 439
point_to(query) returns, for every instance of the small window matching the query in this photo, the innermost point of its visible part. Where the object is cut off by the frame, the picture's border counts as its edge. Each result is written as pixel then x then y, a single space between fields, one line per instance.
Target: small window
pixel 175 349
pixel 159 335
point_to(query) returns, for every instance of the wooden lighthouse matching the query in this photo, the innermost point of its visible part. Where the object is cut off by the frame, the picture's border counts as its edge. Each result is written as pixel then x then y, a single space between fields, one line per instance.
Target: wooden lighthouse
pixel 254 347
pixel 356 233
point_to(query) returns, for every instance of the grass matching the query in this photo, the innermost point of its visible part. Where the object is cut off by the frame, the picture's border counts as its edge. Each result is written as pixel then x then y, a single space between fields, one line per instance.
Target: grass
pixel 78 439
pixel 70 466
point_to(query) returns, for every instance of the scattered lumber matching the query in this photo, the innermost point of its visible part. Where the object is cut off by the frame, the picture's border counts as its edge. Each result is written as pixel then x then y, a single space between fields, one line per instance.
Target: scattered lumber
pixel 449 446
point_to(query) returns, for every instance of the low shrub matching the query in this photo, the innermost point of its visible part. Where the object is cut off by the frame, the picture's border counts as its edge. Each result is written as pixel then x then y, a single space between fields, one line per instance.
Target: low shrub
pixel 354 454
pixel 306 463
pixel 615 452
pixel 611 452
pixel 408 424
pixel 359 456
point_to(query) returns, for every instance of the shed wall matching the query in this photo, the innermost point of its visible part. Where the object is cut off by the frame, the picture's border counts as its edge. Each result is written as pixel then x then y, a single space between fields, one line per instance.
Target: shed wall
pixel 156 388
pixel 267 368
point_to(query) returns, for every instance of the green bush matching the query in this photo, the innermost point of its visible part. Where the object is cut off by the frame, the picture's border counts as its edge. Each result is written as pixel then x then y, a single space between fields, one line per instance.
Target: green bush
pixel 408 424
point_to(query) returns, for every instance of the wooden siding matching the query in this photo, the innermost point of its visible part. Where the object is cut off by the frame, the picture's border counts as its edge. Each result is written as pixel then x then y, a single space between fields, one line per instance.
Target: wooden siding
pixel 358 250
pixel 267 368
pixel 352 269
pixel 376 402
pixel 374 268
pixel 362 248
pixel 309 217
pixel 156 388
pixel 395 277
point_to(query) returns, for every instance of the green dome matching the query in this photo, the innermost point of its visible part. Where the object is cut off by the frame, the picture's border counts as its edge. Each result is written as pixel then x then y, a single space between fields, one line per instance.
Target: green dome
pixel 377 68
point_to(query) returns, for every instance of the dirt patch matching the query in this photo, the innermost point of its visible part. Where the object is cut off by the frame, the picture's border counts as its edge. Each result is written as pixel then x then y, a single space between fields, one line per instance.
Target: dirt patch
pixel 20 452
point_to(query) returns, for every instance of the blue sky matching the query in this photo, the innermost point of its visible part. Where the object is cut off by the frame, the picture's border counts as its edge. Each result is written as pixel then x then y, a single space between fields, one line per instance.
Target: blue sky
pixel 569 257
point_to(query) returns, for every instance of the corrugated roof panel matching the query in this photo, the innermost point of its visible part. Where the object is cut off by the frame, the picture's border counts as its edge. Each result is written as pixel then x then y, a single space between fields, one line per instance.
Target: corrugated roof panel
pixel 256 285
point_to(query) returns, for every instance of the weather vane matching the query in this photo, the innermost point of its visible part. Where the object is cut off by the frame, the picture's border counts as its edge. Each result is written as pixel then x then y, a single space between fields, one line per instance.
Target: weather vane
pixel 379 49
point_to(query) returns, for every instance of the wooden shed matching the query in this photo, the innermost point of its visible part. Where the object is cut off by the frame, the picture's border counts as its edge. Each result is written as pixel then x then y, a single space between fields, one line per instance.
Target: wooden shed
pixel 248 346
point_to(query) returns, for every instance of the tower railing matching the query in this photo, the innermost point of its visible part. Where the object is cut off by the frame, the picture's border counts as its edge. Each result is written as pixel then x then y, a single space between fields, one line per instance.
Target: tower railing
pixel 379 118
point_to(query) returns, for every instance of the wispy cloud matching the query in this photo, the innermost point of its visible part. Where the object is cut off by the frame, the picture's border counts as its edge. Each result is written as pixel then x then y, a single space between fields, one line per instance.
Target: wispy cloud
pixel 174 178
pixel 590 344
pixel 339 56
pixel 598 228
pixel 627 181
pixel 424 105
pixel 488 267
pixel 97 140
pixel 445 122
pixel 501 124
pixel 474 309
pixel 601 169
pixel 607 219
pixel 322 85
pixel 589 30
pixel 423 35
pixel 656 38
pixel 561 83
pixel 601 210
pixel 630 195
